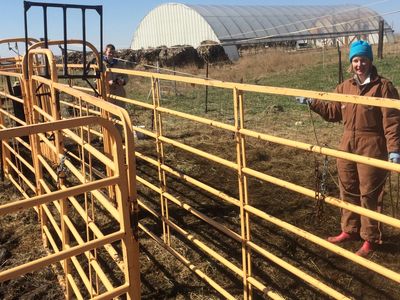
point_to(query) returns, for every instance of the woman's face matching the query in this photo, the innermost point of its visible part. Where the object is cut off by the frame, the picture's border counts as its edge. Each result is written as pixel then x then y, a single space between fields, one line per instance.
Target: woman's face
pixel 109 53
pixel 361 65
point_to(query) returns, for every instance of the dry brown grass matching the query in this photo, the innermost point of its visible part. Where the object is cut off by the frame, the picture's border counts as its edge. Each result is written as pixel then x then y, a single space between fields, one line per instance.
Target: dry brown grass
pixel 252 66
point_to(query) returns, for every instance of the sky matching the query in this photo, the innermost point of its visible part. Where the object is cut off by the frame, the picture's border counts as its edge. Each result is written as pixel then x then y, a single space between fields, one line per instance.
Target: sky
pixel 121 17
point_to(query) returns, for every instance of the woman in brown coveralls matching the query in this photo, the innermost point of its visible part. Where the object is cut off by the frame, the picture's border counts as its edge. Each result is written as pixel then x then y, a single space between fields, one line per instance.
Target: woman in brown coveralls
pixel 369 131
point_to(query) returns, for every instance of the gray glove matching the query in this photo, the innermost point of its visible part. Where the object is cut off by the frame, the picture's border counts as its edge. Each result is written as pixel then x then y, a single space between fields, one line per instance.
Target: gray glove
pixel 304 100
pixel 394 157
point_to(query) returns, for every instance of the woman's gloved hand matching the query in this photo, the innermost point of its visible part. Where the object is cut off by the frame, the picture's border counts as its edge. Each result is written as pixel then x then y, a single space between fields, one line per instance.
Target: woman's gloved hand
pixel 304 100
pixel 394 157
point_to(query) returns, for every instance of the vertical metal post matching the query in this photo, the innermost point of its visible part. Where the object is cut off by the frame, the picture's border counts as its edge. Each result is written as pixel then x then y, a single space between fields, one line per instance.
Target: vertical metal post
pixel 129 245
pixel 46 37
pixel 100 11
pixel 340 74
pixel 175 90
pixel 243 195
pixel 26 8
pixel 206 104
pixel 84 42
pixel 46 41
pixel 380 38
pixel 65 50
pixel 160 159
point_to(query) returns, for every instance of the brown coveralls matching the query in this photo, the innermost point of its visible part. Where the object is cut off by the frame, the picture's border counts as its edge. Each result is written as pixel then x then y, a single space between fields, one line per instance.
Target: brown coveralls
pixel 369 131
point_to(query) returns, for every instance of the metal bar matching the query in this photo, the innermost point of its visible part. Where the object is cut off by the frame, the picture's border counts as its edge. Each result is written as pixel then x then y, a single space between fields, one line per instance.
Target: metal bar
pixel 26 8
pixel 101 64
pixel 92 260
pixel 65 50
pixel 200 153
pixel 132 101
pixel 53 258
pixel 324 150
pixel 244 224
pixel 205 121
pixel 84 41
pixel 28 165
pixel 117 291
pixel 373 101
pixel 74 287
pixel 20 189
pixel 203 217
pixel 188 264
pixel 327 245
pixel 113 253
pixel 61 5
pixel 42 199
pixel 380 38
pixel 328 199
pixel 191 180
pixel 12 97
pixel 12 117
pixel 21 175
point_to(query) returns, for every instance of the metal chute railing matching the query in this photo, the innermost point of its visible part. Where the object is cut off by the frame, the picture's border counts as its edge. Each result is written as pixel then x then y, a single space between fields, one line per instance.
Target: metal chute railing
pixel 239 166
pixel 55 152
pixel 67 248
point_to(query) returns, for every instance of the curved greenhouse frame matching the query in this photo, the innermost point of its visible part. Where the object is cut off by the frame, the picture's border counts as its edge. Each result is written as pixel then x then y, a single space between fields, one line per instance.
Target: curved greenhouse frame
pixel 175 24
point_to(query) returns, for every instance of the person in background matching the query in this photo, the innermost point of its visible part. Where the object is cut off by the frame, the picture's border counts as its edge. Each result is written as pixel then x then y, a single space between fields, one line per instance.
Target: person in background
pixel 369 131
pixel 115 82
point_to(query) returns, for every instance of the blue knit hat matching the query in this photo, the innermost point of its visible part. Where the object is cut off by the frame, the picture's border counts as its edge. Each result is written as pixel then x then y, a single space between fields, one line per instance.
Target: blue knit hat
pixel 360 48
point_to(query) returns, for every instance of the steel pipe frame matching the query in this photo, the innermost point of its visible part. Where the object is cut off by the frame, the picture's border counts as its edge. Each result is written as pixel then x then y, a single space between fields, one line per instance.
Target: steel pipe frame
pixel 304 146
pixel 7 148
pixel 337 202
pixel 70 122
pixel 132 244
pixel 292 90
pixel 22 160
pixel 374 101
pixel 236 237
pixel 78 239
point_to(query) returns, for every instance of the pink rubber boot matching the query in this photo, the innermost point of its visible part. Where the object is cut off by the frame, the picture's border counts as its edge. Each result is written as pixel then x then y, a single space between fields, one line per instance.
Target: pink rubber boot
pixel 344 236
pixel 365 249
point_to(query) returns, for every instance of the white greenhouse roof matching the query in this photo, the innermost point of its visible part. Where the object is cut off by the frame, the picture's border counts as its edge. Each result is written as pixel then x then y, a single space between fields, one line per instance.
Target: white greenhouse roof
pixel 183 24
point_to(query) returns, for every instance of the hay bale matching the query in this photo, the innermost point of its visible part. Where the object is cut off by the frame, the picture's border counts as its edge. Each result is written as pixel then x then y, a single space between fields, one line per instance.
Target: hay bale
pixel 212 52
pixel 127 54
pixel 147 56
pixel 180 56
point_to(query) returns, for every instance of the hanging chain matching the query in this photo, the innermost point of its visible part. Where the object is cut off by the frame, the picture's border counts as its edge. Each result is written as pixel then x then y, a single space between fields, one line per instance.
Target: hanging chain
pixel 61 170
pixel 320 188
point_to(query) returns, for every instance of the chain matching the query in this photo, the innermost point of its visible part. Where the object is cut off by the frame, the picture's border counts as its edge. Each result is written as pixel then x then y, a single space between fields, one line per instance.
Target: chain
pixel 320 188
pixel 61 170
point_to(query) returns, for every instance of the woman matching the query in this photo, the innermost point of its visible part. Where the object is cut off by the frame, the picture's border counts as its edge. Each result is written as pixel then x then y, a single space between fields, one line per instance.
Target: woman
pixel 115 81
pixel 369 131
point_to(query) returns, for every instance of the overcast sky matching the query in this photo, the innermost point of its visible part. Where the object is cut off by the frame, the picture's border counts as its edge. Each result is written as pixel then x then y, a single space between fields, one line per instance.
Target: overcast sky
pixel 121 17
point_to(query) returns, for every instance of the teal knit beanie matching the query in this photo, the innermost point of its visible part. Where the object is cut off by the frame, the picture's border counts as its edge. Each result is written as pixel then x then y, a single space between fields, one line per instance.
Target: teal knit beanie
pixel 360 48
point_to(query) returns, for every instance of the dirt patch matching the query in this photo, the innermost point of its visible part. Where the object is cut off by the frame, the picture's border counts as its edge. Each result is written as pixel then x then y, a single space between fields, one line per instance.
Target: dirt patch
pixel 20 242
